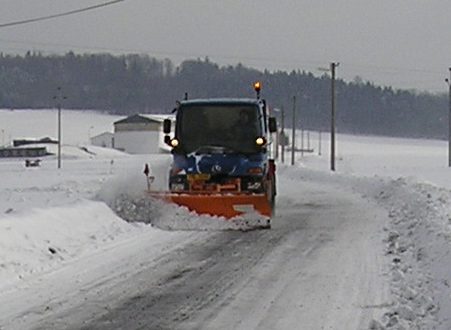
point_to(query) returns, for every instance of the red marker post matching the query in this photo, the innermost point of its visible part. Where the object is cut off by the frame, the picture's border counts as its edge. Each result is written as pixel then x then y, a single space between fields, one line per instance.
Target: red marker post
pixel 150 179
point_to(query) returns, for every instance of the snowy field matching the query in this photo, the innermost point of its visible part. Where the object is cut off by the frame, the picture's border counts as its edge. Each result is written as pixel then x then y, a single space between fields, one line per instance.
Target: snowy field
pixel 62 226
pixel 76 128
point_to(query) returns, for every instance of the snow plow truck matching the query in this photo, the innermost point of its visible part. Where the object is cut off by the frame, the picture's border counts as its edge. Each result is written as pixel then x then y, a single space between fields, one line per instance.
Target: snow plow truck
pixel 222 157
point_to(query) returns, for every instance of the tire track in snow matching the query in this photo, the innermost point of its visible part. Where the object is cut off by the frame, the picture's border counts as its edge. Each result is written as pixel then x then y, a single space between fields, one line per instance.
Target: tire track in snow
pixel 319 264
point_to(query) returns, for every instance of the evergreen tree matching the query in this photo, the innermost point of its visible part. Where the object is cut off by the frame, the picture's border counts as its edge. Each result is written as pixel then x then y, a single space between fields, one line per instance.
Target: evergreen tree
pixel 138 83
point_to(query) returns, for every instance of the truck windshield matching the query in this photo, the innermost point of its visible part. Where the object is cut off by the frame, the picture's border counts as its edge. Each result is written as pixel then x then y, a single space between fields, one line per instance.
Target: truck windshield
pixel 232 127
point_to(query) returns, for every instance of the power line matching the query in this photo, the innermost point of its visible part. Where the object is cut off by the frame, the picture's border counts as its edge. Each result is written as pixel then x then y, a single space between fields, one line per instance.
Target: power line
pixel 67 13
pixel 389 69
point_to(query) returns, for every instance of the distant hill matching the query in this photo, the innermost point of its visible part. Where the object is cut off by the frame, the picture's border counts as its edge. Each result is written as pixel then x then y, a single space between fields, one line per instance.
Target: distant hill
pixel 139 83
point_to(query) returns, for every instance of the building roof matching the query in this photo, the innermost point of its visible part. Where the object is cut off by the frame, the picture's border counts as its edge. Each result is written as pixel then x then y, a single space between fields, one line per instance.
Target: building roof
pixel 145 118
pixel 103 134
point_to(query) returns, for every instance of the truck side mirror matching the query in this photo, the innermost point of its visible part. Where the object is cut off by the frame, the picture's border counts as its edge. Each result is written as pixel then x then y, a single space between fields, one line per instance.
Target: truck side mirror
pixel 167 126
pixel 272 125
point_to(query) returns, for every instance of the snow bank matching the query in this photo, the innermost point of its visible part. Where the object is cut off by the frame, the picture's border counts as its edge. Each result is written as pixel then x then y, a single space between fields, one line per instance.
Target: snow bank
pixel 126 194
pixel 172 217
pixel 43 239
pixel 418 245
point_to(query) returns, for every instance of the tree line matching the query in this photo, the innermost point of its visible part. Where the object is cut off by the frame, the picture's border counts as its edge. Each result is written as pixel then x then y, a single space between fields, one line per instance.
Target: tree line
pixel 134 83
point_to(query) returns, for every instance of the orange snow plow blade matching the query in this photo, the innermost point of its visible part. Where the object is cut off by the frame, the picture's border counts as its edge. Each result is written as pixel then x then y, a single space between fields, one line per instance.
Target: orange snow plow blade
pixel 224 205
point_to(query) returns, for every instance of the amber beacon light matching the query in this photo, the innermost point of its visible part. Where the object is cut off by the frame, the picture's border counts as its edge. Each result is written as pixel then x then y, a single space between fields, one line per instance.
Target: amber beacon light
pixel 258 88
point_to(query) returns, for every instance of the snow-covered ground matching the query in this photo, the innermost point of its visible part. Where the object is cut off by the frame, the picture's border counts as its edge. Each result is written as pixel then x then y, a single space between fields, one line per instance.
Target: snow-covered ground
pixel 59 227
pixel 76 126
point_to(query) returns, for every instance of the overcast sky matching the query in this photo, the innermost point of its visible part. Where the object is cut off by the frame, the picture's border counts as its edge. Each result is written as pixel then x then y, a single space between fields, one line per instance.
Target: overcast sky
pixel 404 43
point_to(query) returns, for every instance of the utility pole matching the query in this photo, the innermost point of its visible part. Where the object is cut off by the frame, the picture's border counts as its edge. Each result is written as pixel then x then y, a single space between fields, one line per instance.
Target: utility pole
pixel 59 97
pixel 319 143
pixel 283 135
pixel 448 81
pixel 333 66
pixel 302 141
pixel 89 133
pixel 293 135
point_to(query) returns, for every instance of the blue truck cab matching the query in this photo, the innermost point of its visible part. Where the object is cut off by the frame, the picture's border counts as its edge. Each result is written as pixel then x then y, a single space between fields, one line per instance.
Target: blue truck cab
pixel 222 145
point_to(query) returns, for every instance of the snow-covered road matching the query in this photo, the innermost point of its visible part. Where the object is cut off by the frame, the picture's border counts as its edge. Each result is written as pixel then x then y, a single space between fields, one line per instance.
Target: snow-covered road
pixel 326 270
pixel 321 266
pixel 367 247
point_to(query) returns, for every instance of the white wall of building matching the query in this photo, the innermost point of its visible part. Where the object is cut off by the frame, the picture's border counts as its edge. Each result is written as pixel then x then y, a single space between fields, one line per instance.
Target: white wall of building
pixel 137 142
pixel 103 140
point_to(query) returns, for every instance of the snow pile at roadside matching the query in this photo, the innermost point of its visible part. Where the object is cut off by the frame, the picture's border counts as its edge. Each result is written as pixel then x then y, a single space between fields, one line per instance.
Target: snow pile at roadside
pixel 418 245
pixel 126 194
pixel 168 216
pixel 43 239
pixel 48 218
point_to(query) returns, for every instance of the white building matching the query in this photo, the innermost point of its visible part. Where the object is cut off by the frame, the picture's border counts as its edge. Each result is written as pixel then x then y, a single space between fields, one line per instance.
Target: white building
pixel 105 140
pixel 141 134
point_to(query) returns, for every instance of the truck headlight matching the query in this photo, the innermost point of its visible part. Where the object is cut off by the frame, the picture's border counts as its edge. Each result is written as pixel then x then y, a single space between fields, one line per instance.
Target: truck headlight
pixel 175 142
pixel 260 141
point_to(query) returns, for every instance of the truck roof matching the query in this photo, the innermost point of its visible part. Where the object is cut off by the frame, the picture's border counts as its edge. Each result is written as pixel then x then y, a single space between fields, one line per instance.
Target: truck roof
pixel 221 101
